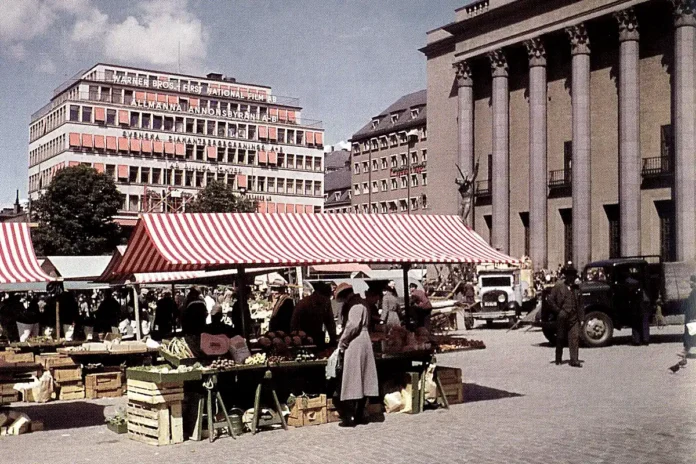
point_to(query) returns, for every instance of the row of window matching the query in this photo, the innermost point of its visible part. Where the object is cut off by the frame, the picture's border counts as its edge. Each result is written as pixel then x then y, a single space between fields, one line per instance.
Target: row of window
pixel 48 123
pixel 395 206
pixel 47 150
pixel 394 162
pixel 393 184
pixel 392 140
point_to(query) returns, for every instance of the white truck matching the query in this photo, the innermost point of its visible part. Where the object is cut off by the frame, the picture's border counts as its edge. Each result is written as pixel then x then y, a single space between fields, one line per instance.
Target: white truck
pixel 503 294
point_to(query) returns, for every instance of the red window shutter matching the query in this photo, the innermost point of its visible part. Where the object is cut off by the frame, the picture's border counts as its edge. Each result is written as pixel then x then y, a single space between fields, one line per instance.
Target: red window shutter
pixel 241 181
pixel 281 207
pixel 244 92
pixel 158 146
pixel 273 133
pixel 262 207
pixel 111 143
pixel 234 89
pixel 122 144
pixel 172 99
pixel 263 157
pixel 146 146
pixel 74 139
pixel 310 138
pixel 283 115
pixel 291 116
pixel 211 152
pixel 309 209
pixel 151 97
pixel 180 149
pixel 272 157
pixel 224 87
pixel 162 78
pixel 252 92
pixel 193 102
pixel 99 167
pixel 273 112
pixel 135 144
pixel 122 171
pixel 214 86
pixel 162 98
pixel 99 141
pixel 99 114
pixel 87 140
pixel 73 163
pixel 123 117
pixel 262 93
pixel 263 132
pixel 140 96
pixel 169 148
pixel 319 138
pixel 271 207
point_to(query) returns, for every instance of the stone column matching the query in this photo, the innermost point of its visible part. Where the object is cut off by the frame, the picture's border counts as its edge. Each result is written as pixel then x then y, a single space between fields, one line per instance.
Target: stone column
pixel 465 121
pixel 537 153
pixel 501 158
pixel 629 134
pixel 684 128
pixel 581 173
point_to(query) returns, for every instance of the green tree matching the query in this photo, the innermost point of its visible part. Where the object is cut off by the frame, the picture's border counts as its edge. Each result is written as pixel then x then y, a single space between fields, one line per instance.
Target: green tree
pixel 75 214
pixel 218 197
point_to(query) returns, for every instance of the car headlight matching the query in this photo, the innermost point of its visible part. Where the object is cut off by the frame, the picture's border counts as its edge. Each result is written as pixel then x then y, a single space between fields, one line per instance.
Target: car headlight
pixel 501 298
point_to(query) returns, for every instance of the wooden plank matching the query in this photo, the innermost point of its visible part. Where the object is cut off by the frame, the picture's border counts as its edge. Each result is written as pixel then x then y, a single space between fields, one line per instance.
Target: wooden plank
pixel 177 422
pixel 164 426
pixel 142 412
pixel 143 438
pixel 153 386
pixel 133 419
pixel 172 391
pixel 155 399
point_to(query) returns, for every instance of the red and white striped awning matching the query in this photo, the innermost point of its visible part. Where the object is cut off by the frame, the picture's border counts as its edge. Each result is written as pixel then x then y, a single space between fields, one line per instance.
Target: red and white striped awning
pixel 190 242
pixel 18 263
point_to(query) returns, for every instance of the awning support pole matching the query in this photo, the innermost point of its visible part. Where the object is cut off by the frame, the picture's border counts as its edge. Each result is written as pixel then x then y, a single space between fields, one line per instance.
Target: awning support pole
pixel 136 307
pixel 242 297
pixel 407 296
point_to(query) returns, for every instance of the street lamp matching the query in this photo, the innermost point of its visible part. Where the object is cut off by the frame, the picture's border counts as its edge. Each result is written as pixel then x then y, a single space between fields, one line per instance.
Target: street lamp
pixel 412 137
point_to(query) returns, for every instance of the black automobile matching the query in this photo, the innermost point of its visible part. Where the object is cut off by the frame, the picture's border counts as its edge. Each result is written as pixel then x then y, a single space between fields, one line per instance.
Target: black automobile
pixel 605 298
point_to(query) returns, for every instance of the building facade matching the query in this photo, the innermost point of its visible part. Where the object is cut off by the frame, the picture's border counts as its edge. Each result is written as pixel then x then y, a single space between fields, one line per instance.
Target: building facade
pixel 163 136
pixel 337 182
pixel 581 115
pixel 389 158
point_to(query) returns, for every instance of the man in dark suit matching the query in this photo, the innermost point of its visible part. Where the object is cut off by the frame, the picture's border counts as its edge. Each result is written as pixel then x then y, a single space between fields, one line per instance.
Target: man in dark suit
pixel 563 300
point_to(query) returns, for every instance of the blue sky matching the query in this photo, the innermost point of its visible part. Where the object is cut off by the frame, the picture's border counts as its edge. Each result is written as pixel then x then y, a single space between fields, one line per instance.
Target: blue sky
pixel 345 60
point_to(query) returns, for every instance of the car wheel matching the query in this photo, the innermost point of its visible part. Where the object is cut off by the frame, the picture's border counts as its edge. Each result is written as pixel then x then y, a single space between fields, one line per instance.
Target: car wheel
pixel 489 323
pixel 597 329
pixel 550 335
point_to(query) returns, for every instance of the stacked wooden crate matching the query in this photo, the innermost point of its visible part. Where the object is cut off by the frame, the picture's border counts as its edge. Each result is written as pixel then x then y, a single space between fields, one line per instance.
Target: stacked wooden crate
pixel 308 411
pixel 451 381
pixel 154 412
pixel 10 377
pixel 66 374
pixel 104 385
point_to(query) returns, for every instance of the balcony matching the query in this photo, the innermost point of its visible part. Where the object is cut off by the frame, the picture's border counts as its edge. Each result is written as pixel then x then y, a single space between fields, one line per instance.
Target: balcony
pixel 657 172
pixel 483 192
pixel 560 183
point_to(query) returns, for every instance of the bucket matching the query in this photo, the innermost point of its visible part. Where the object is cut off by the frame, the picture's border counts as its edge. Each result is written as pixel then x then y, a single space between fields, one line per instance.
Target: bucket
pixel 236 419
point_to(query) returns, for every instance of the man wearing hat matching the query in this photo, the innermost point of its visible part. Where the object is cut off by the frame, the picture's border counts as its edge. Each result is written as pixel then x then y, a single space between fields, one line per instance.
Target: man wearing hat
pixel 313 314
pixel 689 319
pixel 283 307
pixel 563 300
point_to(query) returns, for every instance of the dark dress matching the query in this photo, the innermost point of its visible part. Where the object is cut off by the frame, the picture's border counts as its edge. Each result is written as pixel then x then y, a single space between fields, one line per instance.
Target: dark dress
pixel 281 319
pixel 165 316
pixel 107 315
pixel 312 315
pixel 194 318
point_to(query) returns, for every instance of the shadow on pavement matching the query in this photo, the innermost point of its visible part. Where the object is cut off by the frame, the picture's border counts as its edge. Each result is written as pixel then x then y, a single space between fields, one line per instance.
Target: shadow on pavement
pixel 656 338
pixel 60 415
pixel 474 392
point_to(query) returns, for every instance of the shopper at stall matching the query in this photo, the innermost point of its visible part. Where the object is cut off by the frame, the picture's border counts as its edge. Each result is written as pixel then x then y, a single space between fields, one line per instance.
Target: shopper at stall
pixel 107 316
pixel 373 301
pixel 195 313
pixel 165 316
pixel 86 316
pixel 241 309
pixel 9 311
pixel 68 312
pixel 358 370
pixel 283 306
pixel 314 316
pixel 28 318
pixel 420 306
pixel 390 306
pixel 216 326
pixel 563 301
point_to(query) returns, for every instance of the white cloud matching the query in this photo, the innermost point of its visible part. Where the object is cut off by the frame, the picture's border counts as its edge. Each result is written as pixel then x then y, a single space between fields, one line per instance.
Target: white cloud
pixel 22 20
pixel 46 66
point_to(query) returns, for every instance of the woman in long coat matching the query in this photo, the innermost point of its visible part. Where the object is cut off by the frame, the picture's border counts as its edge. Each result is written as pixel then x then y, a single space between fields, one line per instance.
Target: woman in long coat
pixel 359 377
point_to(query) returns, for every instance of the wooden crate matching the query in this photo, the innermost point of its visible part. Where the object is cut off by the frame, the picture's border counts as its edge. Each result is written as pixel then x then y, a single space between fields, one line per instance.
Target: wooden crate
pixel 308 411
pixel 104 385
pixel 154 393
pixel 19 358
pixel 454 393
pixel 155 424
pixel 331 412
pixel 93 394
pixel 67 374
pixel 449 375
pixel 53 360
pixel 7 398
pixel 71 392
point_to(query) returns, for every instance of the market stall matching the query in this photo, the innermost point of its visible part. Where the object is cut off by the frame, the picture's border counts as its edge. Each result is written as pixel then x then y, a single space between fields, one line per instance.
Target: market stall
pixel 212 242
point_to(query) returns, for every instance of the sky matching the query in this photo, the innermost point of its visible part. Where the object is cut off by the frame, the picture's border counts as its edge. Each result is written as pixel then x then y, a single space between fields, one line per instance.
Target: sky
pixel 345 60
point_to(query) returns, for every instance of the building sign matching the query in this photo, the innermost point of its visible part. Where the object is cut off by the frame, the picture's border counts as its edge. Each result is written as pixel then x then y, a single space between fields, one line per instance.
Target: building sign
pixel 196 140
pixel 194 89
pixel 403 171
pixel 194 110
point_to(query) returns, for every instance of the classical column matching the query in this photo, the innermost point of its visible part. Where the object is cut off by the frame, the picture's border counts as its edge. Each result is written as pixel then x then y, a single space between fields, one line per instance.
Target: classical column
pixel 581 174
pixel 537 152
pixel 629 134
pixel 501 159
pixel 684 128
pixel 465 121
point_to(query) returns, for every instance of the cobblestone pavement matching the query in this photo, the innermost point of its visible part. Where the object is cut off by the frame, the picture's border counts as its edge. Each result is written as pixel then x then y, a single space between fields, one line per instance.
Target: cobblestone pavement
pixel 624 406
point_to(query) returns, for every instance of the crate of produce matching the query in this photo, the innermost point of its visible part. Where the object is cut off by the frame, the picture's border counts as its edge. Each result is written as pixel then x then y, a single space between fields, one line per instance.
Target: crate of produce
pixel 154 393
pixel 67 374
pixel 71 392
pixel 54 360
pixel 155 424
pixel 162 376
pixel 308 411
pixel 104 381
pixel 18 358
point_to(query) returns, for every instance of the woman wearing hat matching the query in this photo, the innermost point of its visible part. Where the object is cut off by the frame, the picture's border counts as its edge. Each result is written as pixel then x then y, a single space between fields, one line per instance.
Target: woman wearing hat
pixel 390 306
pixel 359 376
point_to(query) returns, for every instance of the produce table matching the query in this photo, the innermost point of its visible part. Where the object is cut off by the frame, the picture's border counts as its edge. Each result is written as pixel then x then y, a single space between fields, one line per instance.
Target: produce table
pixel 113 358
pixel 41 347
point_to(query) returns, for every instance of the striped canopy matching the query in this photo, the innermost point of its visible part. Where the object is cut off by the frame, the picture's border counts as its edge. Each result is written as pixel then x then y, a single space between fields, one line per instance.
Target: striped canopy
pixel 190 242
pixel 18 262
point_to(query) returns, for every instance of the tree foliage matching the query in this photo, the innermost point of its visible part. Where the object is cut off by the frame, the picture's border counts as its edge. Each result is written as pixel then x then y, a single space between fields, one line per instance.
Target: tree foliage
pixel 75 214
pixel 218 197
